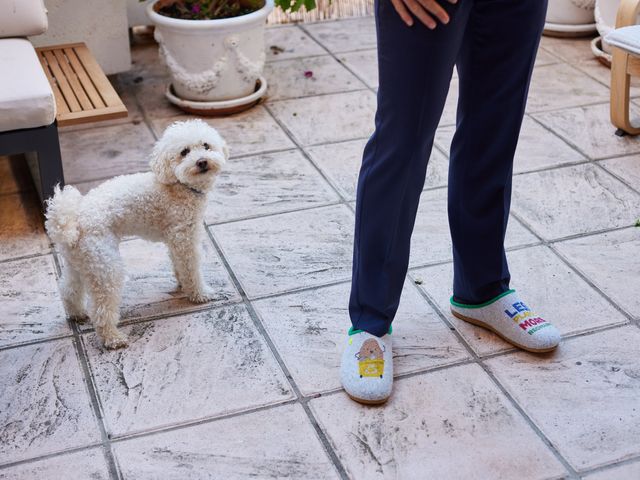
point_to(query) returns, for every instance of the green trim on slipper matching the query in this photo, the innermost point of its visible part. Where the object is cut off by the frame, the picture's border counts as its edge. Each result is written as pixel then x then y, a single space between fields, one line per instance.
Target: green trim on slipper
pixel 353 332
pixel 480 305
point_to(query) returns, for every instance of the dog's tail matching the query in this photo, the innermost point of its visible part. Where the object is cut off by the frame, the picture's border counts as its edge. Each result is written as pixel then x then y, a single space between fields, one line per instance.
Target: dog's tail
pixel 62 215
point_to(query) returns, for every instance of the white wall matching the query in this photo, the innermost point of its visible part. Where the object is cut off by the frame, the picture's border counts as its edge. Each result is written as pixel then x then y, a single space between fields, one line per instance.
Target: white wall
pixel 101 24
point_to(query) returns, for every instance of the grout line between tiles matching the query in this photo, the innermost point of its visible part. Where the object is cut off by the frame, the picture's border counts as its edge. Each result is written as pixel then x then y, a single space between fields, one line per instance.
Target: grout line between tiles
pixel 47 456
pixel 551 245
pixel 331 453
pixel 636 189
pixel 480 362
pixel 92 390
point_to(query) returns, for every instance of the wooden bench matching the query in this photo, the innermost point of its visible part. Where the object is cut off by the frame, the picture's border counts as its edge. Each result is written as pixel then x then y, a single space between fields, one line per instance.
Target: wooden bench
pixel 81 89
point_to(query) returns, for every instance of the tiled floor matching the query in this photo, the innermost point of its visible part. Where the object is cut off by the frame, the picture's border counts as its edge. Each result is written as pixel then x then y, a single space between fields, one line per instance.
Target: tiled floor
pixel 247 386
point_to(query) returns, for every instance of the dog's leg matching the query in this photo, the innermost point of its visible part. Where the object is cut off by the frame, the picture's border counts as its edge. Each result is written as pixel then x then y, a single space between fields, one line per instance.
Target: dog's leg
pixel 105 274
pixel 186 260
pixel 72 291
pixel 176 273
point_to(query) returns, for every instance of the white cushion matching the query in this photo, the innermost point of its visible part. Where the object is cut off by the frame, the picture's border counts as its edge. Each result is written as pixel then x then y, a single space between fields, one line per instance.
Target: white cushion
pixel 626 38
pixel 26 98
pixel 20 18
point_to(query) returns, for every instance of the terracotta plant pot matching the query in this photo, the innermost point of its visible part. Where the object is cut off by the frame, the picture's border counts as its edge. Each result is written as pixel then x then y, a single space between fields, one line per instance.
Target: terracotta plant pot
pixel 213 61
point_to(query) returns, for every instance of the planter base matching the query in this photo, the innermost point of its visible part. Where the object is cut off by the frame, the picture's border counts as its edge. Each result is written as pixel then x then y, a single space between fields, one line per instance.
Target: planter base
pixel 560 30
pixel 218 108
pixel 602 56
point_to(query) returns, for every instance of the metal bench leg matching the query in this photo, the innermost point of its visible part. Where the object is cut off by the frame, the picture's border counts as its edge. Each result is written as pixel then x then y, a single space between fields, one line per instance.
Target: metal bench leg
pixel 49 161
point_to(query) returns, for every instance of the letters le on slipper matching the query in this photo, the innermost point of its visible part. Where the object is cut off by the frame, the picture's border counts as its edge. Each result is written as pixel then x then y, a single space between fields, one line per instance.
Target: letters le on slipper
pixel 367 367
pixel 510 318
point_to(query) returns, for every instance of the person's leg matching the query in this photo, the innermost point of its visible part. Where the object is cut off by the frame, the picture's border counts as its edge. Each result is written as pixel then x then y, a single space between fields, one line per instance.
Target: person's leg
pixel 415 65
pixel 495 64
pixel 494 67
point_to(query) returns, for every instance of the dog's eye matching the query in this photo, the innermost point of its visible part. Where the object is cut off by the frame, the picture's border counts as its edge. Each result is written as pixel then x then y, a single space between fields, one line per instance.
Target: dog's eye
pixel 206 146
pixel 184 152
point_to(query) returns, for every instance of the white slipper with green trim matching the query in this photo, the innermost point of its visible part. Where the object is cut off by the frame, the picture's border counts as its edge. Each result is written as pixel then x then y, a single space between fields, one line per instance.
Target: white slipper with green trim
pixel 511 319
pixel 367 367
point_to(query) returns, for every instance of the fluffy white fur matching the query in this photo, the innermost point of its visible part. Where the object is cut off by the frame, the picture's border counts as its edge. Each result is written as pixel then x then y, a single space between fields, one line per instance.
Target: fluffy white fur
pixel 164 205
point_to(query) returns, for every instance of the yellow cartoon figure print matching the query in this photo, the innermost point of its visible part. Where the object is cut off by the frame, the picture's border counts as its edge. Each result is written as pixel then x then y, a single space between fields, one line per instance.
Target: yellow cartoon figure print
pixel 371 359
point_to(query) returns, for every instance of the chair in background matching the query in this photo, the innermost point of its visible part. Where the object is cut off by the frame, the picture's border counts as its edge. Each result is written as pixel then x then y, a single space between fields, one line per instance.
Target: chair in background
pixel 27 103
pixel 625 40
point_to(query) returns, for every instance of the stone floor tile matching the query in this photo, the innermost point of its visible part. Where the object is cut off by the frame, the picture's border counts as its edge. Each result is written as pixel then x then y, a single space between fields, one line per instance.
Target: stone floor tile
pixel 105 152
pixel 545 283
pixel 345 35
pixel 626 169
pixel 291 78
pixel 151 288
pixel 185 368
pixel 289 251
pixel 584 397
pixel 431 240
pixel 545 58
pixel 590 130
pixel 309 330
pixel 601 73
pixel 289 42
pixel 534 147
pixel 328 118
pixel 150 94
pixel 573 200
pixel 250 132
pixel 340 162
pixel 453 423
pixel 571 50
pixel 30 301
pixel 275 443
pixel 364 63
pixel 83 465
pixel 21 225
pixel 627 471
pixel 265 184
pixel 560 85
pixel 14 175
pixel 44 404
pixel 611 261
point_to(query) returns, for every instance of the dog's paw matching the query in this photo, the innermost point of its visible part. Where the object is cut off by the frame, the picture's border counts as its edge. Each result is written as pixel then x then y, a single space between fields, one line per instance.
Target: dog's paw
pixel 115 341
pixel 202 296
pixel 79 318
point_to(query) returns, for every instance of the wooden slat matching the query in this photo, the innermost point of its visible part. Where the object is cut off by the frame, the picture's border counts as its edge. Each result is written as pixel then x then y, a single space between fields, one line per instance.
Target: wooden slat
pixel 66 89
pixel 61 105
pixel 98 78
pixel 83 92
pixel 87 84
pixel 72 78
pixel 107 113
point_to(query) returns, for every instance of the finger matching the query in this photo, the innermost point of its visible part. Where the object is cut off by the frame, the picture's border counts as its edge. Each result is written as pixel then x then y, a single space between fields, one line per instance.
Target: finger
pixel 435 8
pixel 403 12
pixel 420 12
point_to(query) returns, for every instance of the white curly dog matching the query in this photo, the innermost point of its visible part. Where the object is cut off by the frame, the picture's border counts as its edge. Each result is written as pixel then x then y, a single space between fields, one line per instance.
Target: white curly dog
pixel 164 205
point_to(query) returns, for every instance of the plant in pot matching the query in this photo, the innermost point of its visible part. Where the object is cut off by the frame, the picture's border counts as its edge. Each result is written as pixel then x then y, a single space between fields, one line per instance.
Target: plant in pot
pixel 214 50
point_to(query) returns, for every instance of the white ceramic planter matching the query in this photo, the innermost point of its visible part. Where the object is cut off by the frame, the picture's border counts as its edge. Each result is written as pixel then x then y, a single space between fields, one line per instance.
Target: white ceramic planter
pixel 213 60
pixel 570 17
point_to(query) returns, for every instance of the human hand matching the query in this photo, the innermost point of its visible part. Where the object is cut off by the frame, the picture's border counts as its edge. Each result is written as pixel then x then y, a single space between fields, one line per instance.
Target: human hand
pixel 424 10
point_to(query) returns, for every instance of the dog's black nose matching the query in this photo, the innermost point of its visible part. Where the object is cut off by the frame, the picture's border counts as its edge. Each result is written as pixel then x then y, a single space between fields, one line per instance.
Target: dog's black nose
pixel 202 164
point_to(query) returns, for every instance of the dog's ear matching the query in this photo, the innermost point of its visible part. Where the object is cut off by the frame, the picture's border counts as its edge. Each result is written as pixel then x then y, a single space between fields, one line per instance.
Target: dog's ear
pixel 161 163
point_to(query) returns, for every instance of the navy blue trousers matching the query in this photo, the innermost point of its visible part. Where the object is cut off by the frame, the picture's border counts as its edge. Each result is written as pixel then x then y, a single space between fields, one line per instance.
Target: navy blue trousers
pixel 492 44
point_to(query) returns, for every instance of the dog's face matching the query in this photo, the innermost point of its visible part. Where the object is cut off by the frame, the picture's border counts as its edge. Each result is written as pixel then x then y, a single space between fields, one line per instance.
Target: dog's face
pixel 191 153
